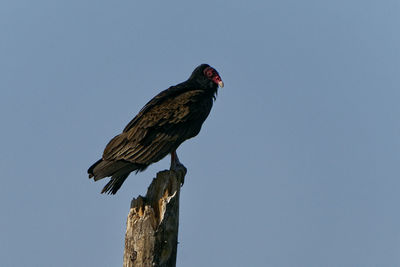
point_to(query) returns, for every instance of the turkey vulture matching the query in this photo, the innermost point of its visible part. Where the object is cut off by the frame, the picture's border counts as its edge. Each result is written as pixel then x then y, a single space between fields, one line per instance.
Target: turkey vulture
pixel 166 121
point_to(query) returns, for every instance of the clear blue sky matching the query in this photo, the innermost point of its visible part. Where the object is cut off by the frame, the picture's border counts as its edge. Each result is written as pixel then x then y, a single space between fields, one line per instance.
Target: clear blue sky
pixel 297 166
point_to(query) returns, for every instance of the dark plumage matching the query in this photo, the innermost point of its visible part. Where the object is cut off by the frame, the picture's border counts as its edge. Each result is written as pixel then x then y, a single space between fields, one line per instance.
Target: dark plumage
pixel 173 116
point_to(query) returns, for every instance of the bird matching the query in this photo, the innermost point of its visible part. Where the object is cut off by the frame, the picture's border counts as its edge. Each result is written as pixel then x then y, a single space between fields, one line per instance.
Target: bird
pixel 161 126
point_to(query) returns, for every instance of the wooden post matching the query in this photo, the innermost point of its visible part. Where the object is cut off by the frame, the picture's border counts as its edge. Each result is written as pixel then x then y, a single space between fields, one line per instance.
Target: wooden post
pixel 151 237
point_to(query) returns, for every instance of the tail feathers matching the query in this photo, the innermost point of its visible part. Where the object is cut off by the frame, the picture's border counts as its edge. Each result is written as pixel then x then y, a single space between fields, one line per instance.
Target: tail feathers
pixel 118 178
pixel 114 184
pixel 91 168
pixel 103 168
pixel 118 170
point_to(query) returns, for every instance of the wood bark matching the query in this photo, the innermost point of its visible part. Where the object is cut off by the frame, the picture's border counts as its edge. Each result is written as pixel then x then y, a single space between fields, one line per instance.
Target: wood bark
pixel 151 237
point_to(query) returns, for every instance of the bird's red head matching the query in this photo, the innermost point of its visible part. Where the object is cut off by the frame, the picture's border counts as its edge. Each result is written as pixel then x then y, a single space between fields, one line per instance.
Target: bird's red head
pixel 213 75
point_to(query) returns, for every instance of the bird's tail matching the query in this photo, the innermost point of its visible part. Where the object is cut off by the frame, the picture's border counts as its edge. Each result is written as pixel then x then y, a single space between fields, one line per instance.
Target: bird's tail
pixel 91 169
pixel 118 170
pixel 115 183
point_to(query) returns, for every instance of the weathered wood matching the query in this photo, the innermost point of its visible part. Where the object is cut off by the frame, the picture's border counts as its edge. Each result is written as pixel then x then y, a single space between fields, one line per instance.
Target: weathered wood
pixel 151 237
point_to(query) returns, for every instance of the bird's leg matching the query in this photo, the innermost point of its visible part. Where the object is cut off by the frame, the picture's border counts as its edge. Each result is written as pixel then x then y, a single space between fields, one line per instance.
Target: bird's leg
pixel 176 165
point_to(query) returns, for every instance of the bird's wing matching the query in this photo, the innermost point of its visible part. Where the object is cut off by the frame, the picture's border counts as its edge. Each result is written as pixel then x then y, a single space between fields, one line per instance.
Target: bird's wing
pixel 163 96
pixel 160 127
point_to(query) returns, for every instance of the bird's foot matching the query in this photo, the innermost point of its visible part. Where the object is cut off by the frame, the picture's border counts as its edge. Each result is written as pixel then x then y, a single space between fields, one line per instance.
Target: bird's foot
pixel 180 169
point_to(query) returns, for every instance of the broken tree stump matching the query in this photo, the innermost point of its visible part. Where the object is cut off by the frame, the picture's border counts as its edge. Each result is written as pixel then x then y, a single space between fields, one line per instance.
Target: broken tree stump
pixel 151 237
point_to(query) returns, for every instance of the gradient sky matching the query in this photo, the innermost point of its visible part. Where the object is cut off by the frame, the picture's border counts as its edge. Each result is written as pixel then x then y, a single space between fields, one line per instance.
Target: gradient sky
pixel 297 165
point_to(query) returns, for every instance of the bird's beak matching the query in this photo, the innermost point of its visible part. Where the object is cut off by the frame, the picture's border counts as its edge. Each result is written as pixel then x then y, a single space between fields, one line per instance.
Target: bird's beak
pixel 221 84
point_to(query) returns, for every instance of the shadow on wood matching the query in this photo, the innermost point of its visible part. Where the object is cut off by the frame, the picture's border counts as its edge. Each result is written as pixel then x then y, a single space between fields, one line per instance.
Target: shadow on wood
pixel 151 237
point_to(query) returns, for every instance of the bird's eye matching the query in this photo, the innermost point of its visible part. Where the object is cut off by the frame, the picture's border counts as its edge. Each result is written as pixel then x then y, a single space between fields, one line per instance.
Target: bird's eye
pixel 209 72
